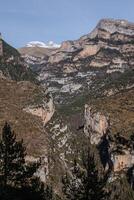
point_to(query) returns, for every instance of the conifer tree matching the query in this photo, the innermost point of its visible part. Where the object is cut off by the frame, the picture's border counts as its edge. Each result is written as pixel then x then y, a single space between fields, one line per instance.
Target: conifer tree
pixel 85 183
pixel 13 169
pixel 17 179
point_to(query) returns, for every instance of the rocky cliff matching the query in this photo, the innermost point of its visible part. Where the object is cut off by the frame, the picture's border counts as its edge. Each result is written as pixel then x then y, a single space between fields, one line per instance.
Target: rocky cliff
pixel 113 117
pixel 96 125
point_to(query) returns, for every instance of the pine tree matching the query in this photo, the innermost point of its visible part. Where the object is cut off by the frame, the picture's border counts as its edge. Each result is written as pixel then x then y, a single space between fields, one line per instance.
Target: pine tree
pixel 17 179
pixel 13 169
pixel 85 183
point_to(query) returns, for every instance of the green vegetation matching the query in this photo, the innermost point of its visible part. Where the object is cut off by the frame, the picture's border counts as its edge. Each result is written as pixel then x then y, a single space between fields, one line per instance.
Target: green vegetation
pixel 74 106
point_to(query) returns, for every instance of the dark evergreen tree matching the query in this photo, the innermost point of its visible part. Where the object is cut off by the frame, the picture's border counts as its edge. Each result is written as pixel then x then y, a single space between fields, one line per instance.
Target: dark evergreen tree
pixel 17 180
pixel 130 176
pixel 104 153
pixel 85 182
pixel 13 168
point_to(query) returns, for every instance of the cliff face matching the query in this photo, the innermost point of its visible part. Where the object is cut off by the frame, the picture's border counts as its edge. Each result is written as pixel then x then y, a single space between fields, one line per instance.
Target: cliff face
pixel 113 117
pixel 44 111
pixel 96 125
pixel 109 34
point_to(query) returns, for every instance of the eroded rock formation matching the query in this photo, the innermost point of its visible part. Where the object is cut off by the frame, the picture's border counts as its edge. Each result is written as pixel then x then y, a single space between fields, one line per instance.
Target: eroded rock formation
pixel 45 111
pixel 96 127
pixel 123 161
pixel 96 124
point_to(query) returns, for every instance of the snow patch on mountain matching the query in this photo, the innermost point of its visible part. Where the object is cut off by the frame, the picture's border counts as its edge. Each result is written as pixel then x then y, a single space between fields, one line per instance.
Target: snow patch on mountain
pixel 49 45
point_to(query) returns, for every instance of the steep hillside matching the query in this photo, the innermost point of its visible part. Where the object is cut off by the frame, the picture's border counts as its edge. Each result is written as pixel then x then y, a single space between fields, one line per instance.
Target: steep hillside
pixel 35 51
pixel 25 105
pixel 15 100
pixel 13 66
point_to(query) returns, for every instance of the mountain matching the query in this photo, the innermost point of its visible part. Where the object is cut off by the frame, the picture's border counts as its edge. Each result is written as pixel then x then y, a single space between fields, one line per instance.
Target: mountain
pixel 50 44
pixel 95 62
pixel 39 49
pixel 37 52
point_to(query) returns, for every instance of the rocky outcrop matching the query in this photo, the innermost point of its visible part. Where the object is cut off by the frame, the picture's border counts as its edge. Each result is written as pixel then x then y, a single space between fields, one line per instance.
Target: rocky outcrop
pixel 120 26
pixel 43 170
pixel 45 111
pixel 96 125
pixel 70 46
pixel 89 50
pixel 122 161
pixel 108 32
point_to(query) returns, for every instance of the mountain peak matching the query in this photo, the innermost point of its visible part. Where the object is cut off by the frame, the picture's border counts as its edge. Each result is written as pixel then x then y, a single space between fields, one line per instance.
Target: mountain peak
pixel 113 25
pixel 49 45
pixel 118 25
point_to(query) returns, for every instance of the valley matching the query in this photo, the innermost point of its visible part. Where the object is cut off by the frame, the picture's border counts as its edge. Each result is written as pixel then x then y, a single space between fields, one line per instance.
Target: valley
pixel 61 98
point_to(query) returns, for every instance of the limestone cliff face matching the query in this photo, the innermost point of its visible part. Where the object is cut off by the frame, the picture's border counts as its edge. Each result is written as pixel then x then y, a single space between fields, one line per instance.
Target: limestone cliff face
pixel 45 111
pixel 120 26
pixel 109 33
pixel 96 124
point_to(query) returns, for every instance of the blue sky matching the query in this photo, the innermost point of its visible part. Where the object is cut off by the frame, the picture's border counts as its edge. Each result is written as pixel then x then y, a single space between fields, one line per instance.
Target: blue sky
pixel 22 21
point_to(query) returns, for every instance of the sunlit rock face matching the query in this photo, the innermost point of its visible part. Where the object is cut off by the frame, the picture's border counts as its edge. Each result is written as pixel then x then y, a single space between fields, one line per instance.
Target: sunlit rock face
pixel 45 111
pixel 89 50
pixel 122 161
pixel 96 125
pixel 112 26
